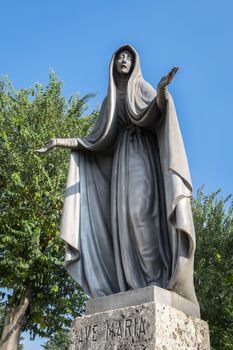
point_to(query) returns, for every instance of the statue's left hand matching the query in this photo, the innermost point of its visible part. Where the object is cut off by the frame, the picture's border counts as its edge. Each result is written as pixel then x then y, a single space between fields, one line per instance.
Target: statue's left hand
pixel 168 78
pixel 48 146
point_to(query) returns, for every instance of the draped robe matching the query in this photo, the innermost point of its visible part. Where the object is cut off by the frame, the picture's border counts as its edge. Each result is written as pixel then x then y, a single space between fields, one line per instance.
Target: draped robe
pixel 127 218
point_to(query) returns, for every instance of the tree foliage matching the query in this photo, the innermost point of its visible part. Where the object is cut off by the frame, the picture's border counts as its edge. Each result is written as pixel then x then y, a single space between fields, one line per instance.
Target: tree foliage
pixel 31 196
pixel 214 265
pixel 58 341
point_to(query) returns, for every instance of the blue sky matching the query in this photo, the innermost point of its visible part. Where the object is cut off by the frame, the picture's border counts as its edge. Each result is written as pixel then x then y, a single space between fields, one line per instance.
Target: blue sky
pixel 77 39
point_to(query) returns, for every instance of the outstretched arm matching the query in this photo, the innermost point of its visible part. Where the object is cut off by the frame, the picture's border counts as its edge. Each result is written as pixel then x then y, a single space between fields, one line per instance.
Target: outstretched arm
pixel 161 97
pixel 63 143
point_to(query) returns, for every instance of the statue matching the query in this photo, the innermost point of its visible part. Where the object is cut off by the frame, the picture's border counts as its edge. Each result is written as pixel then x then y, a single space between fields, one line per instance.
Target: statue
pixel 127 219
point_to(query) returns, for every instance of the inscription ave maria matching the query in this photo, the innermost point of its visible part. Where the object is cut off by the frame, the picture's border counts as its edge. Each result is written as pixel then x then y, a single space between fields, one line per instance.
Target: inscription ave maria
pixel 123 328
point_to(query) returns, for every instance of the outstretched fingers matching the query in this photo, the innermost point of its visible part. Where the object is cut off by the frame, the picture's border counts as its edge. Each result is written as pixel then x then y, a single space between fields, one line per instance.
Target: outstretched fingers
pixel 172 73
pixel 48 145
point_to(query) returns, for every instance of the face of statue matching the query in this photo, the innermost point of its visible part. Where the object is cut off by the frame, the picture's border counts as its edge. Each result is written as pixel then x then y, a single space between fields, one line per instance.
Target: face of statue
pixel 124 62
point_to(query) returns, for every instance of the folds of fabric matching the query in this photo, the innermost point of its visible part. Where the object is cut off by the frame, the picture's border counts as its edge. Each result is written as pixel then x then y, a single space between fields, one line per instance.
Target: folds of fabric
pixel 86 224
pixel 139 229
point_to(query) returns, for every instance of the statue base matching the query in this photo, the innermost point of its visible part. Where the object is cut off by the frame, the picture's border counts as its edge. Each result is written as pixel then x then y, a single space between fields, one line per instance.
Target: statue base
pixel 150 325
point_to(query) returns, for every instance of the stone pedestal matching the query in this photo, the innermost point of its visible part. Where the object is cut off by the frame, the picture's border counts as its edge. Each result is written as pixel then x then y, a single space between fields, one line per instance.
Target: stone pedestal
pixel 142 296
pixel 148 326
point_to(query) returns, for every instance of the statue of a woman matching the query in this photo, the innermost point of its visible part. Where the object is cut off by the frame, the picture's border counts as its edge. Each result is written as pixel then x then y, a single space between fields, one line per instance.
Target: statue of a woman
pixel 127 219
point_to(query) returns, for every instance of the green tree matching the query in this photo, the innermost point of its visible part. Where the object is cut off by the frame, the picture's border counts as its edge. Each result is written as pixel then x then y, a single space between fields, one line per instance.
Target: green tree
pixel 214 265
pixel 39 296
pixel 58 341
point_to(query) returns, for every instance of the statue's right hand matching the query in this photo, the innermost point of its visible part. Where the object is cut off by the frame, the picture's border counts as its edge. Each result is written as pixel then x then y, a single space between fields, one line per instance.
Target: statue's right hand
pixel 48 146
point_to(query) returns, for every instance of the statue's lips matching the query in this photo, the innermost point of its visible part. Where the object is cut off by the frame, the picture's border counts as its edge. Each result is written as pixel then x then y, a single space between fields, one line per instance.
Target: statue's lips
pixel 123 66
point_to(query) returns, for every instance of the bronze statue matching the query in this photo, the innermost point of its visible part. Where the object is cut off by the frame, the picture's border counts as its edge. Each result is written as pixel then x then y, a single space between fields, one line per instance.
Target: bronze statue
pixel 127 218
